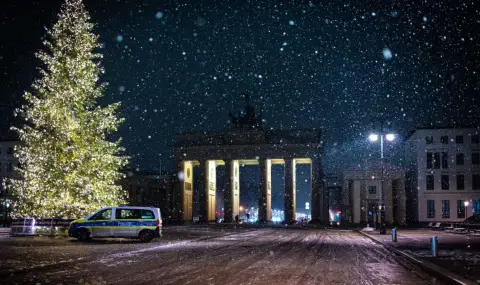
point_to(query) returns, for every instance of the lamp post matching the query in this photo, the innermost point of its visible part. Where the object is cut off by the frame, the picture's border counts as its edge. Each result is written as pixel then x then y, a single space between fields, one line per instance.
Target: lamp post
pixel 374 138
pixel 466 208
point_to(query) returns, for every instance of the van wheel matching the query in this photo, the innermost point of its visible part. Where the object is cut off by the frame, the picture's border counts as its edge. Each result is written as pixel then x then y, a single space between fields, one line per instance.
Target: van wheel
pixel 145 236
pixel 83 235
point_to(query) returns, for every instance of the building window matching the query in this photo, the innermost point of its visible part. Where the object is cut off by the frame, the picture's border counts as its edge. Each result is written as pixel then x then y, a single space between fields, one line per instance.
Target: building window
pixel 476 181
pixel 429 139
pixel 460 182
pixel 475 139
pixel 475 207
pixel 445 182
pixel 444 139
pixel 372 189
pixel 460 159
pixel 476 158
pixel 444 160
pixel 9 167
pixel 430 182
pixel 460 209
pixel 430 209
pixel 429 160
pixel 459 139
pixel 436 160
pixel 445 209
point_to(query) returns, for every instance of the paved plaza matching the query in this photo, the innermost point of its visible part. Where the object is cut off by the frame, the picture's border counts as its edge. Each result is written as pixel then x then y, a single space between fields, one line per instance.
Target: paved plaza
pixel 209 255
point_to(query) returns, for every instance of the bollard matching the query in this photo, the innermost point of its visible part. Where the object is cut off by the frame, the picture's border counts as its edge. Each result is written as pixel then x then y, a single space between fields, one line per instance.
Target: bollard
pixel 434 246
pixel 394 234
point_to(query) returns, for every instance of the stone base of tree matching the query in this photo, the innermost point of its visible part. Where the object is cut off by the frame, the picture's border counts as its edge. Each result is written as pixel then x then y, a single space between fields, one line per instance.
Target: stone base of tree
pixel 36 227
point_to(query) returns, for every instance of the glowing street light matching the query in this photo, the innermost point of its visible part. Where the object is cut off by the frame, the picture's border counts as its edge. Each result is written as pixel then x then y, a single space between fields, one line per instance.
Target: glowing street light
pixel 466 209
pixel 390 137
pixel 373 138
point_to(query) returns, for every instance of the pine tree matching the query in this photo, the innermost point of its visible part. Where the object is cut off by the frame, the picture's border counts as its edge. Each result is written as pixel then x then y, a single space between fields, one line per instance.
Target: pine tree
pixel 68 164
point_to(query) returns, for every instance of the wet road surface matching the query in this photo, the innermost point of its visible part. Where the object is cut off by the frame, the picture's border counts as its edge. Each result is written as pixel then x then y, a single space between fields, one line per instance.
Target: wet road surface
pixel 240 256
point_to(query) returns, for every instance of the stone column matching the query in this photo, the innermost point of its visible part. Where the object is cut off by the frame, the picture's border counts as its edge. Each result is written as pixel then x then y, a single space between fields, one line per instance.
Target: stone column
pixel 388 199
pixel 290 201
pixel 400 216
pixel 236 188
pixel 202 189
pixel 319 199
pixel 232 191
pixel 211 189
pixel 358 203
pixel 186 196
pixel 265 195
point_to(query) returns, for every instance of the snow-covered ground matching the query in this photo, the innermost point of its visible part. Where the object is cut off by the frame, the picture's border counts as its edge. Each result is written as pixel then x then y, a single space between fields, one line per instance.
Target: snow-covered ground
pixel 213 256
pixel 458 253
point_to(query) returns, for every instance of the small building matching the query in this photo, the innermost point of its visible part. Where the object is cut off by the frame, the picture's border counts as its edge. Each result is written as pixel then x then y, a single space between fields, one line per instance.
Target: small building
pixel 7 159
pixel 362 194
pixel 8 164
pixel 443 174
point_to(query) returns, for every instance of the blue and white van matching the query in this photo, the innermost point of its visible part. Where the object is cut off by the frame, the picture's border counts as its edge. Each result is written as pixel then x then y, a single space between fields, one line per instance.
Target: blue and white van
pixel 144 223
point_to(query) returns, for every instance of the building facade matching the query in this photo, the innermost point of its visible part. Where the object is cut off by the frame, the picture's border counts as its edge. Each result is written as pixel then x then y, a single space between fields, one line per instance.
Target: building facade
pixel 362 194
pixel 443 173
pixel 8 164
pixel 149 188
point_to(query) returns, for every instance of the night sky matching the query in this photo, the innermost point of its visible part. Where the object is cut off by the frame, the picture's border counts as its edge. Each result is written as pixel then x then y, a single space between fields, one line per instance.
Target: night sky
pixel 342 67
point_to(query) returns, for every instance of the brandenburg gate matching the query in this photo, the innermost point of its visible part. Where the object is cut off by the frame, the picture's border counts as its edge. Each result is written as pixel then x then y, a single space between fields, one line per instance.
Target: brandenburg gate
pixel 247 143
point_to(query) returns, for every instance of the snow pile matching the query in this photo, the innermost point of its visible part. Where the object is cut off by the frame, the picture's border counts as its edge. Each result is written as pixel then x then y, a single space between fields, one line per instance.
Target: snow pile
pixel 368 229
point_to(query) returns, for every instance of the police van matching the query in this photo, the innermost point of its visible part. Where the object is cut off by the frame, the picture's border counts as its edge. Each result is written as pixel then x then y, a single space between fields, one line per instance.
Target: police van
pixel 144 223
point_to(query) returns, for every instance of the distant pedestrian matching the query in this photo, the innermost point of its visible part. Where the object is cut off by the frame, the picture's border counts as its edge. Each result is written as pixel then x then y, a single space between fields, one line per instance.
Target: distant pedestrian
pixel 236 219
pixel 248 216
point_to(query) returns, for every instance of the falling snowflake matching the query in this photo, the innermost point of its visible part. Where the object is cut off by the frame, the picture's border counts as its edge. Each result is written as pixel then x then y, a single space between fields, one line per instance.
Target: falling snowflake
pixel 159 15
pixel 387 54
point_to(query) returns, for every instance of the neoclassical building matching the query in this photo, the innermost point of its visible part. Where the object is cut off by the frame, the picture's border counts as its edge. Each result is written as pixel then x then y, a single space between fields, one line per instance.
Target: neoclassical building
pixel 246 142
pixel 362 194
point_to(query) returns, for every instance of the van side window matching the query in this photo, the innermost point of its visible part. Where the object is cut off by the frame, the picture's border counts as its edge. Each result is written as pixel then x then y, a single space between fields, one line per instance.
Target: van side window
pixel 147 214
pixel 133 214
pixel 127 214
pixel 102 215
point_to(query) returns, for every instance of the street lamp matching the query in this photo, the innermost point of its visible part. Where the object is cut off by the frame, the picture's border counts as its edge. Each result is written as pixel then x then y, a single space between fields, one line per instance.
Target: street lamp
pixel 374 138
pixel 466 209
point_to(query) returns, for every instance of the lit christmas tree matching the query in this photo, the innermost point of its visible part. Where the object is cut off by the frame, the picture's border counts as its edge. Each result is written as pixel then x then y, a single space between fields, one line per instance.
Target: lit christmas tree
pixel 69 166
